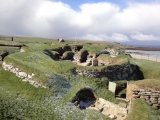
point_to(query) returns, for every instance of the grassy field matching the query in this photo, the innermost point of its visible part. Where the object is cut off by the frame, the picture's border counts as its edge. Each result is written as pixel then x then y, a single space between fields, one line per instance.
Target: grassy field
pixel 150 69
pixel 29 102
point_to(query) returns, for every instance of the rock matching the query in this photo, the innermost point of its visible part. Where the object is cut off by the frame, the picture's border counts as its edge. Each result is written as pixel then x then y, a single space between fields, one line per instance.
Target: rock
pixel 136 96
pixel 89 62
pixel 60 40
pixel 22 50
pixel 142 97
pixel 32 74
pixel 141 90
pixel 94 62
pixel 25 80
pixel 155 106
pixel 22 75
pixel 112 116
pixel 29 76
pixel 124 105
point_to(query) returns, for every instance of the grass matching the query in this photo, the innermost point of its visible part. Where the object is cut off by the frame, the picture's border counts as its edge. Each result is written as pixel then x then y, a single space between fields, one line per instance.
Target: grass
pixel 150 69
pixel 10 49
pixel 142 111
pixel 20 100
pixel 148 83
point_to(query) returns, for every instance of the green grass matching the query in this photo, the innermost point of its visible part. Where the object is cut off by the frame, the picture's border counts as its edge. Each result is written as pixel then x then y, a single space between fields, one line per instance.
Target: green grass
pixel 150 69
pixel 142 111
pixel 10 49
pixel 20 100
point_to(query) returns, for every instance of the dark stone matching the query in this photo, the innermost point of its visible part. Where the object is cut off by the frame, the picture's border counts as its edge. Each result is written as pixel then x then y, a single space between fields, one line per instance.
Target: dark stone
pixel 125 71
pixel 3 54
pixel 86 95
pixel 53 54
pixel 102 52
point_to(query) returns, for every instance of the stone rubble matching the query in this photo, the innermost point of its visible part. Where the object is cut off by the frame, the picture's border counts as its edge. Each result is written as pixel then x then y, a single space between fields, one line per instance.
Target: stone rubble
pixel 23 75
pixel 110 109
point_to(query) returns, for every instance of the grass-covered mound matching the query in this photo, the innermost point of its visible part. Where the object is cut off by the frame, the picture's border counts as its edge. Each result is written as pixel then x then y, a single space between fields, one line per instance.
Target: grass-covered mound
pixel 150 69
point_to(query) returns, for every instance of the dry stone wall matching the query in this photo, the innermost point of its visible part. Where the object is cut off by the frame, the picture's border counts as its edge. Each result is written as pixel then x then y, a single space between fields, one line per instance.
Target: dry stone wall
pixel 151 96
pixel 125 71
pixel 22 75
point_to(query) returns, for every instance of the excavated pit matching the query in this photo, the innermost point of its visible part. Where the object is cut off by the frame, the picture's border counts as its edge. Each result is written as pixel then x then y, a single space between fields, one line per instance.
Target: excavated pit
pixel 84 98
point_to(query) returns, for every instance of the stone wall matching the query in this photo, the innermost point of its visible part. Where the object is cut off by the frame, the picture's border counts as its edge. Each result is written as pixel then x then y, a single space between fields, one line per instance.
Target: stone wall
pixel 151 96
pixel 125 71
pixel 3 53
pixel 22 75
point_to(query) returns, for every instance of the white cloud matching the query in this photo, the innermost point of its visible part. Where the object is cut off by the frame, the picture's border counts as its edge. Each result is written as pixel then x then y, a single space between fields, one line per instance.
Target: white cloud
pixel 116 37
pixel 143 37
pixel 98 21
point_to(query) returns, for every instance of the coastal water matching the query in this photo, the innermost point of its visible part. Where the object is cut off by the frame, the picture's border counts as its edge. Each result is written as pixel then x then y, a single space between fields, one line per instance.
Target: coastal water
pixel 150 53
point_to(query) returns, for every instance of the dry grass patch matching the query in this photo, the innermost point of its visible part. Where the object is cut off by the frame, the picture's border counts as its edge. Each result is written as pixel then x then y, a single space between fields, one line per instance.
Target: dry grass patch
pixel 148 83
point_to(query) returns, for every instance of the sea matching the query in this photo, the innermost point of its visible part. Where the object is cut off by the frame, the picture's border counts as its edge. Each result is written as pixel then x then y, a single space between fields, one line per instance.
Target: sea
pixel 142 52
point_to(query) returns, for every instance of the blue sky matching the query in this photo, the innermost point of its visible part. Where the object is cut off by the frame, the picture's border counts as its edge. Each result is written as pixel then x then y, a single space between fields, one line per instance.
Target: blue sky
pixel 121 3
pixel 124 21
pixel 76 3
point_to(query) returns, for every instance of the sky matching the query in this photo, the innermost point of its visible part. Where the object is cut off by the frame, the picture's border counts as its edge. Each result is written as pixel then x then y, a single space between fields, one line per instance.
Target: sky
pixel 124 21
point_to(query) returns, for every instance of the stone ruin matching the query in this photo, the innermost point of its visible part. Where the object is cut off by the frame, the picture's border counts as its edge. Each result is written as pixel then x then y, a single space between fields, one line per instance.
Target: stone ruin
pixel 78 55
pixel 64 53
pixel 60 40
pixel 92 59
pixel 152 97
pixel 124 71
pixel 21 74
pixel 84 98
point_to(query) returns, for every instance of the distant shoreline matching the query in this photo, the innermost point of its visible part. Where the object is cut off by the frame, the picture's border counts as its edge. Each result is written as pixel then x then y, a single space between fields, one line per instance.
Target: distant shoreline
pixel 142 48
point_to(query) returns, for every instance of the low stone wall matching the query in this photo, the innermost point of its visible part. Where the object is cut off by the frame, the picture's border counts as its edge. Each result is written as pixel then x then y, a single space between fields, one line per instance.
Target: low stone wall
pixel 151 96
pixel 23 75
pixel 124 71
